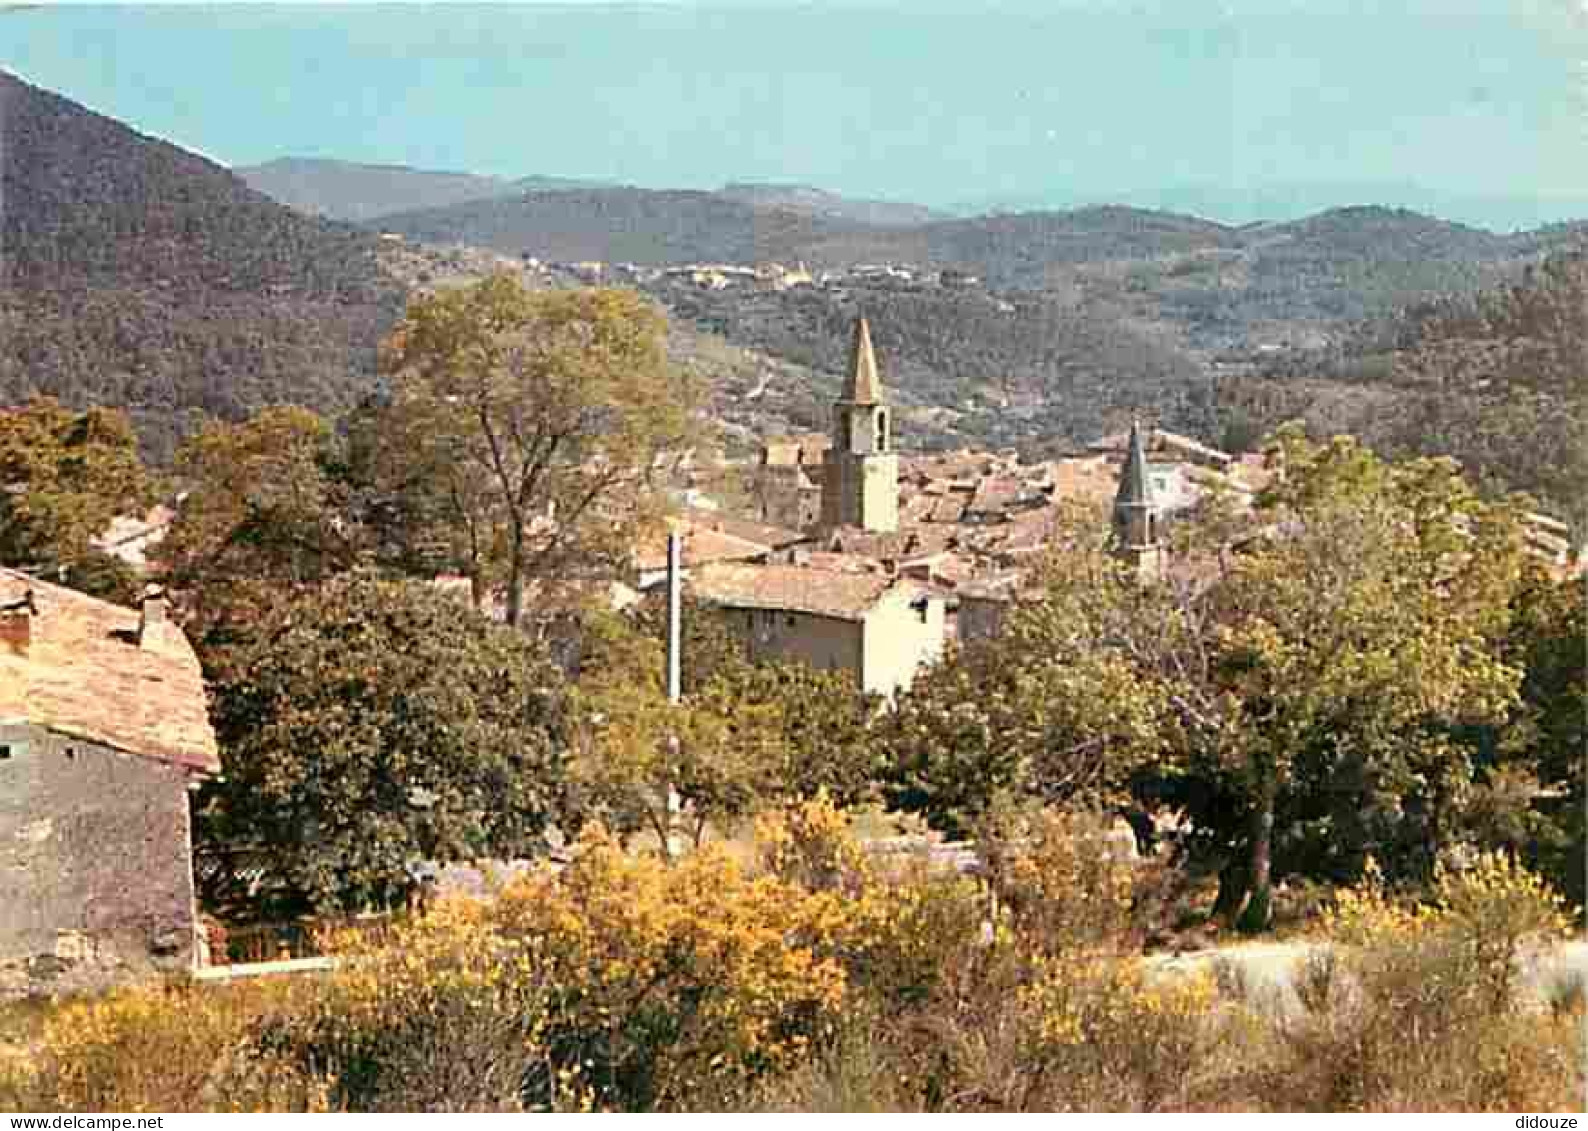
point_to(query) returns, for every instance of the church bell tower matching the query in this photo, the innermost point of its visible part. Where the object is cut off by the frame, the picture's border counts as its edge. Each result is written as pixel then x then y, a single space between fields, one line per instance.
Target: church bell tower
pixel 861 484
pixel 1137 517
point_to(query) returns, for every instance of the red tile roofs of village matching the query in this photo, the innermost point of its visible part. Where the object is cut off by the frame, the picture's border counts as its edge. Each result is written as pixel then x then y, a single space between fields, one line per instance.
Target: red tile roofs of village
pixel 106 674
pixel 820 592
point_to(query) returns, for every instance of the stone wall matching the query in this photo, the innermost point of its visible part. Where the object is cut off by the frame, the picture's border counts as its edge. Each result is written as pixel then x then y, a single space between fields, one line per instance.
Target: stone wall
pixel 823 643
pixel 96 880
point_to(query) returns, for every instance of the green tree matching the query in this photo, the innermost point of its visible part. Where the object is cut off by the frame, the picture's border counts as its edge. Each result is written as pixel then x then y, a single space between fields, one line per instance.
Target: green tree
pixel 1550 642
pixel 1348 652
pixel 633 747
pixel 64 476
pixel 1053 707
pixel 374 723
pixel 742 737
pixel 1321 682
pixel 525 428
pixel 265 512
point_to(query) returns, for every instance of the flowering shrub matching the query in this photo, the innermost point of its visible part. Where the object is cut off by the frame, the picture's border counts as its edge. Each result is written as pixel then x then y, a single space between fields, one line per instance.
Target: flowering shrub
pixel 1108 1037
pixel 1063 882
pixel 819 978
pixel 669 983
pixel 1419 1005
pixel 178 1049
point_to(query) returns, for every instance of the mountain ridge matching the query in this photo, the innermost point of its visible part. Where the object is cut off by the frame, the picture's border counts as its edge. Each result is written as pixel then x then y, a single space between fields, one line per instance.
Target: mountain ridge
pixel 138 274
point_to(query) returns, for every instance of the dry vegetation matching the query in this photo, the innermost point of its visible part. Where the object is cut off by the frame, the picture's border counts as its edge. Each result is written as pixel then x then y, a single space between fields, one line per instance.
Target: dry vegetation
pixel 809 978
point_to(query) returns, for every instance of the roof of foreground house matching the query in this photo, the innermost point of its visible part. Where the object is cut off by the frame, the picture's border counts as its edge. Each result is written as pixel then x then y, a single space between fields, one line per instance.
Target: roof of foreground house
pixel 84 674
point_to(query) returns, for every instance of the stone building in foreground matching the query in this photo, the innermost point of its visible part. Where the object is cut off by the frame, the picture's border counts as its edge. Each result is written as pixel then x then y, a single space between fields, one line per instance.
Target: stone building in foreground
pixel 881 629
pixel 104 728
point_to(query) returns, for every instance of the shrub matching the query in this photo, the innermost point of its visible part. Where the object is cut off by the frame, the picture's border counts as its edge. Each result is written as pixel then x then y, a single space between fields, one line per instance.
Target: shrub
pixel 668 984
pixel 1419 1008
pixel 446 1015
pixel 1103 1036
pixel 1062 881
pixel 178 1048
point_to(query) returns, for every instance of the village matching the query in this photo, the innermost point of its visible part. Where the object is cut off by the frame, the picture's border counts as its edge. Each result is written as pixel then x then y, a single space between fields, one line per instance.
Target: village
pixel 846 555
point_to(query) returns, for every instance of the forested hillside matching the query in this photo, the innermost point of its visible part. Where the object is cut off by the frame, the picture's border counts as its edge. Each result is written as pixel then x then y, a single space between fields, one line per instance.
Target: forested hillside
pixel 1496 379
pixel 136 274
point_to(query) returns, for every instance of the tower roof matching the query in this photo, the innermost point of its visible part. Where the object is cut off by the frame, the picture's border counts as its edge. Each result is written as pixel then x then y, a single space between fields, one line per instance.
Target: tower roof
pixel 863 386
pixel 1135 488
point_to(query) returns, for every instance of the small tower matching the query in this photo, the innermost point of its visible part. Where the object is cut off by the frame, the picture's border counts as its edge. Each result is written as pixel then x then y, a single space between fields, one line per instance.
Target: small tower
pixel 861 484
pixel 1137 539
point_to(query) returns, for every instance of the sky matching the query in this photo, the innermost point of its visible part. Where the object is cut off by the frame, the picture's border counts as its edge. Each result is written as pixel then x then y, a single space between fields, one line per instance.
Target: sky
pixel 1473 108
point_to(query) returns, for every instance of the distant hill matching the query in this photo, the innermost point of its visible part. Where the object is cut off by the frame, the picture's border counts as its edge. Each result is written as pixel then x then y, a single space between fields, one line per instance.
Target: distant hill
pixel 344 190
pixel 1495 379
pixel 134 273
pixel 625 225
pixel 819 202
pixel 1217 281
pixel 347 190
pixel 1081 317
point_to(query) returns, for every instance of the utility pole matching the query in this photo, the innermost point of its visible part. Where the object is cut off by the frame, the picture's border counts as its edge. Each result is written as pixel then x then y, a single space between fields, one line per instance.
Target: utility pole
pixel 675 683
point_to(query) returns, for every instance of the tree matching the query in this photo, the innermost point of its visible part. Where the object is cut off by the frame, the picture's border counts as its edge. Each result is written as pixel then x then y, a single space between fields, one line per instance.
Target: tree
pixel 1346 654
pixel 1314 689
pixel 1053 708
pixel 1549 641
pixel 372 724
pixel 721 759
pixel 742 737
pixel 266 512
pixel 64 476
pixel 524 428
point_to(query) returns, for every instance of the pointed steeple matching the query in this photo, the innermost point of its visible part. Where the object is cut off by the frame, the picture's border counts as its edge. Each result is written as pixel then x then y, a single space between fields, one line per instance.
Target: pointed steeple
pixel 1135 487
pixel 863 385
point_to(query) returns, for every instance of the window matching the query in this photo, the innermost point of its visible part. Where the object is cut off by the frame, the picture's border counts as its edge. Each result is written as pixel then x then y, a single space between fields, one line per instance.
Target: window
pixel 5 753
pixel 882 431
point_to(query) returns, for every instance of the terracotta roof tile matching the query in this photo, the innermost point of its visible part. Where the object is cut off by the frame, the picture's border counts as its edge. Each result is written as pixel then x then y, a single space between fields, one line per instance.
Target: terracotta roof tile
pixel 83 674
pixel 777 537
pixel 840 563
pixel 842 596
pixel 701 547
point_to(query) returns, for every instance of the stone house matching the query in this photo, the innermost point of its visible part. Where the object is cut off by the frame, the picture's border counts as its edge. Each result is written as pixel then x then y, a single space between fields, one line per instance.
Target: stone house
pixel 882 629
pixel 104 728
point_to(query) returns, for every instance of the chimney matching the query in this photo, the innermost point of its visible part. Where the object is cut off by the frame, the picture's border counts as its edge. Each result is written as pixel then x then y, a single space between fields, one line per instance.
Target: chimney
pixel 16 624
pixel 153 613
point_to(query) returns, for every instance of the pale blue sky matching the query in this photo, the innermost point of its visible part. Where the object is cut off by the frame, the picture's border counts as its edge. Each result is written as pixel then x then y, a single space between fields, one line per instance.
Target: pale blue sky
pixel 1472 106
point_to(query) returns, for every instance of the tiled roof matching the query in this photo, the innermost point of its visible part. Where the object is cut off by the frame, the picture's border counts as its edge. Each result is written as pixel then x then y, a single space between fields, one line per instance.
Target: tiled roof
pixel 1090 480
pixel 83 674
pixel 1004 586
pixel 701 546
pixel 828 593
pixel 949 508
pixel 994 493
pixel 840 563
pixel 777 537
